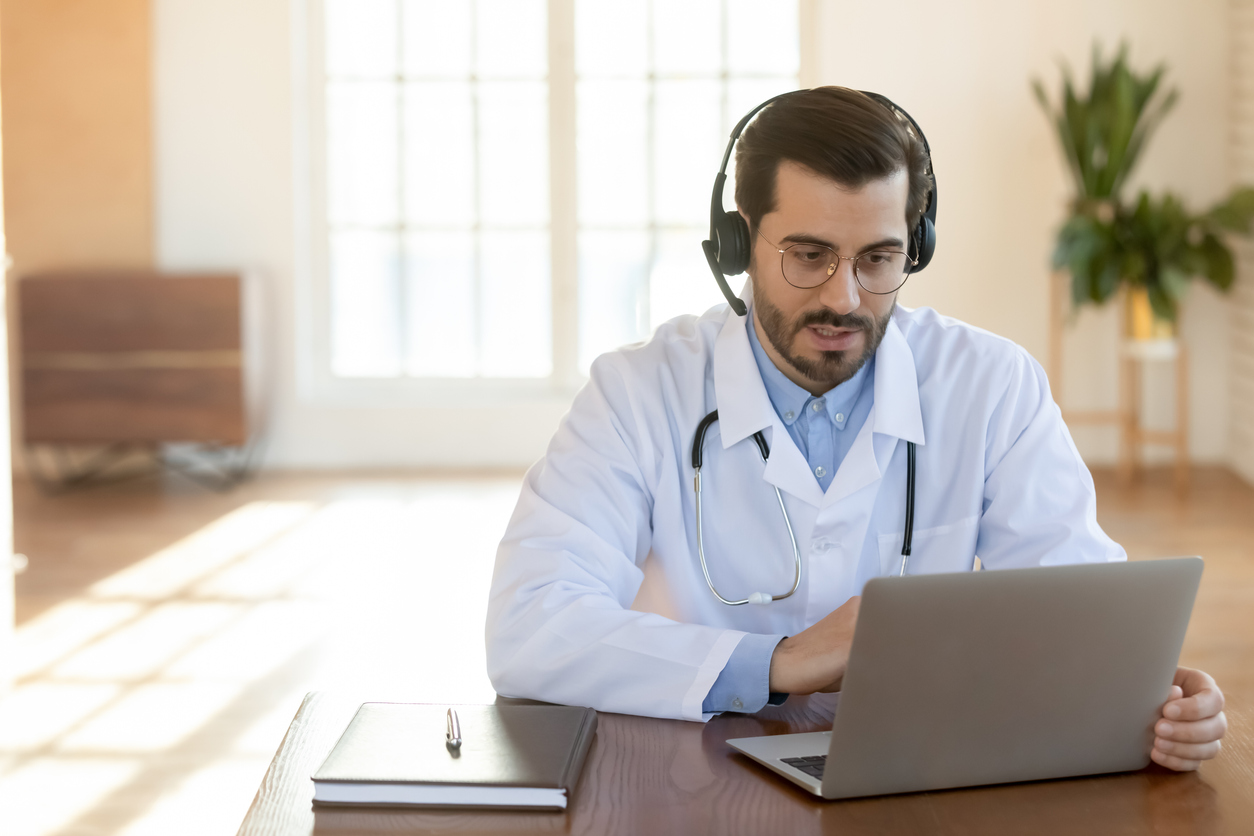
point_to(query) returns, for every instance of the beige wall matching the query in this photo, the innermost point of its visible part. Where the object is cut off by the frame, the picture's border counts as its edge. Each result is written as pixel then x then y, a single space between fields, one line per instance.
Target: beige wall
pixel 77 143
pixel 962 68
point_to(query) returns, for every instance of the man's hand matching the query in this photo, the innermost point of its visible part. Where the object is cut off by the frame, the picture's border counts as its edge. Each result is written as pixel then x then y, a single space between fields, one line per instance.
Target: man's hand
pixel 1192 723
pixel 815 659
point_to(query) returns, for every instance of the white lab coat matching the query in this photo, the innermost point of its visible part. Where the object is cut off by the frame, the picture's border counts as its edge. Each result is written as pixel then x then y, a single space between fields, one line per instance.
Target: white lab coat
pixel 997 475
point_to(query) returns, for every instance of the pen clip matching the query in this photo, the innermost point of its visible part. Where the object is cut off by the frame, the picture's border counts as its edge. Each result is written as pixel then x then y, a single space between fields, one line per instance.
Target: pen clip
pixel 453 735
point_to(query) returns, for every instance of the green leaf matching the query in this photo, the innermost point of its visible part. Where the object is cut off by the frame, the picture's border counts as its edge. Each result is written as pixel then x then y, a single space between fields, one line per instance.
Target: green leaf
pixel 1220 268
pixel 1235 213
pixel 1164 307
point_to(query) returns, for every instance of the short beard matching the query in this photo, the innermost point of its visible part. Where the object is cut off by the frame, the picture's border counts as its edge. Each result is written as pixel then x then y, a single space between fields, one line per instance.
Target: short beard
pixel 833 367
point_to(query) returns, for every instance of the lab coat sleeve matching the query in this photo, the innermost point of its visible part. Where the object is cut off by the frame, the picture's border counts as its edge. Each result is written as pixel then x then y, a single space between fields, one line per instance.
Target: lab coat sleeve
pixel 559 627
pixel 1040 506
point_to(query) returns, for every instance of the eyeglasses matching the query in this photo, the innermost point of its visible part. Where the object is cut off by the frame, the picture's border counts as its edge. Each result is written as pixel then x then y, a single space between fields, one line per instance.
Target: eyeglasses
pixel 807 266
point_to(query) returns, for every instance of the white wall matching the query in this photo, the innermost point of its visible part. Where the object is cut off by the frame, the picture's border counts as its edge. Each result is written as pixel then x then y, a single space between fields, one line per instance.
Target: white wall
pixel 226 191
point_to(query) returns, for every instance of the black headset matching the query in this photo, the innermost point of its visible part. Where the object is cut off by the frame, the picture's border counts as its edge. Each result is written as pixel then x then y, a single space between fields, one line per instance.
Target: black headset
pixel 729 246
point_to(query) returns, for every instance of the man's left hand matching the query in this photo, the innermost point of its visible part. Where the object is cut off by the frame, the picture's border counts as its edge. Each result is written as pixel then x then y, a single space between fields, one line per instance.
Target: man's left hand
pixel 1192 722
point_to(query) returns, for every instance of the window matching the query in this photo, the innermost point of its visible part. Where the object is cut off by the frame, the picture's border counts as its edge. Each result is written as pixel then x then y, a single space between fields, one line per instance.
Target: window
pixel 498 204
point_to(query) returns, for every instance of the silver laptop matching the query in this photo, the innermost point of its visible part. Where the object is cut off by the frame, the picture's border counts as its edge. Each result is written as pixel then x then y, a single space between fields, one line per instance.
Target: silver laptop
pixel 958 680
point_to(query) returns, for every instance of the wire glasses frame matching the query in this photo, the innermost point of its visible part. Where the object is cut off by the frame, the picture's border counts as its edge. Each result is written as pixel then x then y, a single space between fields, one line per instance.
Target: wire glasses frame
pixel 814 264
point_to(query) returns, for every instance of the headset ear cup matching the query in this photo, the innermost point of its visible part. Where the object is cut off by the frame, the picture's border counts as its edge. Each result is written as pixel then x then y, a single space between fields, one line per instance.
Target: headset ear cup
pixel 923 243
pixel 733 243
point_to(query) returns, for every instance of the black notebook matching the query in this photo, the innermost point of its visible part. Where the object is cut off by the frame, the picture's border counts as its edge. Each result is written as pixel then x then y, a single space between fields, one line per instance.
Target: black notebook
pixel 395 754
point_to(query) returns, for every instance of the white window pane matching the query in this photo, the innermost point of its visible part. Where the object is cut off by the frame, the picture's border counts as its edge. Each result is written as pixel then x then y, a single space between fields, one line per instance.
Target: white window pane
pixel 613 291
pixel 686 37
pixel 681 282
pixel 613 143
pixel 744 94
pixel 687 148
pixel 361 153
pixel 515 336
pixel 440 278
pixel 439 154
pixel 437 38
pixel 513 38
pixel 365 337
pixel 611 38
pixel 361 37
pixel 514 153
pixel 762 37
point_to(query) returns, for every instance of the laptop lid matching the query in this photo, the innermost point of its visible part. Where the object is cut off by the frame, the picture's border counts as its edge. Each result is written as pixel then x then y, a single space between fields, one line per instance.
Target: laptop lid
pixel 958 680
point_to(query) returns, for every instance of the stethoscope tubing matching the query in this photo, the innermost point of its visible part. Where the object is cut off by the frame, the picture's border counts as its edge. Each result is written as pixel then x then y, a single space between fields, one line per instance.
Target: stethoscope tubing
pixel 765 452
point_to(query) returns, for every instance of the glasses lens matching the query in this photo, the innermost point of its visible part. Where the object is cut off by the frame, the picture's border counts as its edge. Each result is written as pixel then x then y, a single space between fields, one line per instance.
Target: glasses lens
pixel 882 271
pixel 809 265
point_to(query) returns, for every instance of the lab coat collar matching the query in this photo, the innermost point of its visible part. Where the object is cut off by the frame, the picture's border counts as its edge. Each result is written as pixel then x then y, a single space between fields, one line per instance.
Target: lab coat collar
pixel 743 405
pixel 897 411
pixel 744 408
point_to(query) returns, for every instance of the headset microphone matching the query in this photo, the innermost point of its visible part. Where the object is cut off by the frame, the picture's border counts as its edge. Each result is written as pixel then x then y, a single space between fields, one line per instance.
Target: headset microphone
pixel 729 246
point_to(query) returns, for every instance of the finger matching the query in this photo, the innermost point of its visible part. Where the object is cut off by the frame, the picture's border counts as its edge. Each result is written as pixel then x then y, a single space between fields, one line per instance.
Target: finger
pixel 1192 680
pixel 1198 706
pixel 1172 762
pixel 1188 751
pixel 1176 693
pixel 1199 731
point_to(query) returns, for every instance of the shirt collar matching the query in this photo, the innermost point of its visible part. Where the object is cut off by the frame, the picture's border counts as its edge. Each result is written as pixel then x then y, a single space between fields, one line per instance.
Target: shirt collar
pixel 790 400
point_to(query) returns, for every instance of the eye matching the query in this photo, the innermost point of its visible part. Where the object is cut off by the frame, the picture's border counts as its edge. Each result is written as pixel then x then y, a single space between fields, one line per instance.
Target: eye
pixel 877 257
pixel 807 254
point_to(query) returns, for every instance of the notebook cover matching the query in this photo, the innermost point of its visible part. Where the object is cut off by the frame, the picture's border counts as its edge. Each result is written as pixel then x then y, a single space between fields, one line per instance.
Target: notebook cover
pixel 535 746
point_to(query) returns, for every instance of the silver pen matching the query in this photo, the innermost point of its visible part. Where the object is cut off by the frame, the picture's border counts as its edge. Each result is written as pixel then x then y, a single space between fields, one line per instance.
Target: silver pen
pixel 453 736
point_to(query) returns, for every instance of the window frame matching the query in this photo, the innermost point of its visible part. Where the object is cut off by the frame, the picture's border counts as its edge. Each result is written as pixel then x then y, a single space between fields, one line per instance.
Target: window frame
pixel 315 381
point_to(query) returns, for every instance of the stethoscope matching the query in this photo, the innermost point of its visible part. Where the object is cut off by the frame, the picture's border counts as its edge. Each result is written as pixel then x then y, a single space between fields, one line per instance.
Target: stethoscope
pixel 765 451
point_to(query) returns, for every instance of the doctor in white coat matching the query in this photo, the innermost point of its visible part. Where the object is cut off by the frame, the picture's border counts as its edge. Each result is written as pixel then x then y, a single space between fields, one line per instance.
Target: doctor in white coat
pixel 839 381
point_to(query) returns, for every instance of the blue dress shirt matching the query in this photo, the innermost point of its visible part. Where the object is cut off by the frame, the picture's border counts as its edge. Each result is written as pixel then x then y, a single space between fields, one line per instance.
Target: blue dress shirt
pixel 824 429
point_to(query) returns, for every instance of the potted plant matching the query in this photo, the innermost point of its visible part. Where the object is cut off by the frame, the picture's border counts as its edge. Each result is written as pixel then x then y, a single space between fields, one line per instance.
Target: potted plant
pixel 1153 245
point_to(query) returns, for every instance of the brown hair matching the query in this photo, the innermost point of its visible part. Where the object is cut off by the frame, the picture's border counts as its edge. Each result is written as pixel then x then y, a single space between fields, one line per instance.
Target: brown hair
pixel 839 133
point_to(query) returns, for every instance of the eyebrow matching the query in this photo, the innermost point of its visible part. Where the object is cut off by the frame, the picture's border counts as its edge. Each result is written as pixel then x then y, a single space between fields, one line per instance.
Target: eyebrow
pixel 803 238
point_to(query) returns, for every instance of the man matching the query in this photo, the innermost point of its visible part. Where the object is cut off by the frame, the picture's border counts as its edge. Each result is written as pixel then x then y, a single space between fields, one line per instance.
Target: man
pixel 839 381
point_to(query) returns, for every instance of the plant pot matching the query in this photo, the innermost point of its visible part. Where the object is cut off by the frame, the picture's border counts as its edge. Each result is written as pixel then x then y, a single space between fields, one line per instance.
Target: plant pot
pixel 1139 321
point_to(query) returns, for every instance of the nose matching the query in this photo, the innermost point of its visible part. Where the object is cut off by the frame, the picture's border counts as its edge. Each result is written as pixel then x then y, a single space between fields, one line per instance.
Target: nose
pixel 840 292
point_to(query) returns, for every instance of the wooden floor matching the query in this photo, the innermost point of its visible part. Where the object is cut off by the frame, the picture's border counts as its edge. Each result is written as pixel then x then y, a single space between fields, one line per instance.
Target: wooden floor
pixel 166 634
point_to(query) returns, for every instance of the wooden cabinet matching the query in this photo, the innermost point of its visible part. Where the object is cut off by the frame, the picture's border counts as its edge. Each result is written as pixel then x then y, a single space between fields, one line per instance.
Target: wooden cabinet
pixel 138 358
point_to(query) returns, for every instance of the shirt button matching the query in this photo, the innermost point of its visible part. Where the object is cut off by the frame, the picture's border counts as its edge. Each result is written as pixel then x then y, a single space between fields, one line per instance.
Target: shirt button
pixel 788 416
pixel 820 471
pixel 817 406
pixel 737 704
pixel 840 417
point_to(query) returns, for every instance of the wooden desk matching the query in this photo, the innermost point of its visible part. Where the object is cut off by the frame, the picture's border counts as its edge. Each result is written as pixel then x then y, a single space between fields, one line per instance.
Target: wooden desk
pixel 666 776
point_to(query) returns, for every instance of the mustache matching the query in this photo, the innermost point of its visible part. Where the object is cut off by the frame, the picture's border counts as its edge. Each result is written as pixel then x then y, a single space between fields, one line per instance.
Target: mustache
pixel 830 318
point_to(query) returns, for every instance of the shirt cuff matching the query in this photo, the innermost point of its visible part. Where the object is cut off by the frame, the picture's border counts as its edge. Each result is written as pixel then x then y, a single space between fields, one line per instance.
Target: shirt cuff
pixel 744 684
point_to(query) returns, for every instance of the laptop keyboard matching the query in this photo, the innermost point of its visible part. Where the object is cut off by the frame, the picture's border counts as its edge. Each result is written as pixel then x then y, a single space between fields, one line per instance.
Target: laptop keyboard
pixel 812 766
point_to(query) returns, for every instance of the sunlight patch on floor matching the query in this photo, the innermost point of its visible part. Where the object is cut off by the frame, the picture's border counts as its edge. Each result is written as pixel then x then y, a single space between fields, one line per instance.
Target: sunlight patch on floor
pixel 152 702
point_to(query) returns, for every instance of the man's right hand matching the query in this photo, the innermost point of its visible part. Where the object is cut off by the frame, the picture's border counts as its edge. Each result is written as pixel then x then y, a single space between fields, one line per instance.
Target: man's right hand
pixel 815 659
